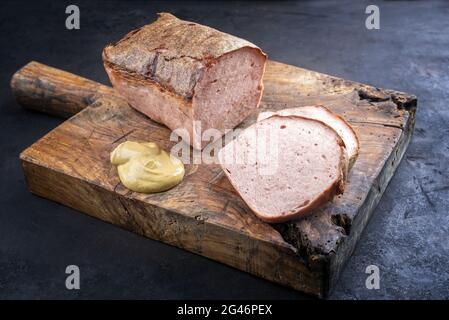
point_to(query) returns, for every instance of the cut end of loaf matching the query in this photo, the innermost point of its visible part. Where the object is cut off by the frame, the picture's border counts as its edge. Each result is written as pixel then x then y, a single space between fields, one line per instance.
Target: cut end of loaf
pixel 230 90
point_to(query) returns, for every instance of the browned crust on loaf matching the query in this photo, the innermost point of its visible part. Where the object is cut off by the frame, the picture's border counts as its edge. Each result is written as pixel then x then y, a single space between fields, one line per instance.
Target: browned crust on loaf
pixel 336 188
pixel 141 81
pixel 345 167
pixel 352 159
pixel 188 48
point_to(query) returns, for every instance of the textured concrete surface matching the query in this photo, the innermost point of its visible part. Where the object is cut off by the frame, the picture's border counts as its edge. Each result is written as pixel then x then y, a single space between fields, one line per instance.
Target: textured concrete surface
pixel 407 237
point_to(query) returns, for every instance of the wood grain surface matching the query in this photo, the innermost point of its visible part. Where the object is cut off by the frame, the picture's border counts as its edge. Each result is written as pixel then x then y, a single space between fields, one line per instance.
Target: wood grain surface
pixel 204 214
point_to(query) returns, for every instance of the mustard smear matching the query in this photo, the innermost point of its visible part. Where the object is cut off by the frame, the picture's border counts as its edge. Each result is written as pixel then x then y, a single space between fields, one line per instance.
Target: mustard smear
pixel 146 168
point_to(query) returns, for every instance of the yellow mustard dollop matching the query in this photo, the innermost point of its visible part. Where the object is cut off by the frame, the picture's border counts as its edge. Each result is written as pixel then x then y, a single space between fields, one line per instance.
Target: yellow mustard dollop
pixel 146 168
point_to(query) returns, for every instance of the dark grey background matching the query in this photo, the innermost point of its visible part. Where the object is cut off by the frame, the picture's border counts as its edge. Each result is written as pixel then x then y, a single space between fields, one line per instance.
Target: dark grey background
pixel 407 237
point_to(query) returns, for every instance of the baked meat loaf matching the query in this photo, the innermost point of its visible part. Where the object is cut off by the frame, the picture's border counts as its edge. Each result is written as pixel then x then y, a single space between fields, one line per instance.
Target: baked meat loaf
pixel 187 76
pixel 333 120
pixel 307 159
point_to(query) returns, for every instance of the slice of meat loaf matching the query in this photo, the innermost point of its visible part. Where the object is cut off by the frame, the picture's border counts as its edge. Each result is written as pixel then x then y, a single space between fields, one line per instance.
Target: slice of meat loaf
pixel 187 76
pixel 301 167
pixel 333 120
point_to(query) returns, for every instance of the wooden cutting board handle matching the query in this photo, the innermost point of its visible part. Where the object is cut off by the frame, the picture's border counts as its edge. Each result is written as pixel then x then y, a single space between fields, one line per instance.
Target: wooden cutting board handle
pixel 55 92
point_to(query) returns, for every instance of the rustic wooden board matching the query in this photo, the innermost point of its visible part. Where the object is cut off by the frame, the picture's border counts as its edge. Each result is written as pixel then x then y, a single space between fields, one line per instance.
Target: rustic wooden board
pixel 203 214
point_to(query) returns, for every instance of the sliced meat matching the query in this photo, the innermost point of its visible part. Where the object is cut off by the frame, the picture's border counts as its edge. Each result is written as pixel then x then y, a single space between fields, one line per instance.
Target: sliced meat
pixel 283 167
pixel 333 120
pixel 187 76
